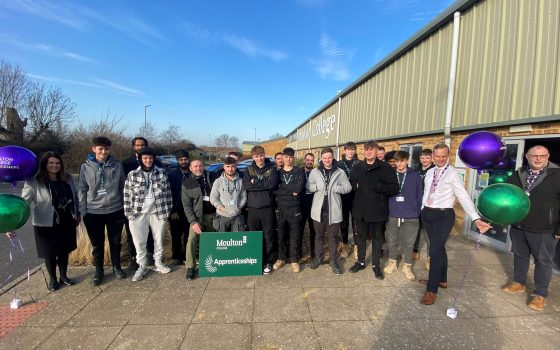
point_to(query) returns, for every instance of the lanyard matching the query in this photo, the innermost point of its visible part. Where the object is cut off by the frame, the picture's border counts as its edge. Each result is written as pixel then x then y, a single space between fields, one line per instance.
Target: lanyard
pixel 401 184
pixel 148 179
pixel 435 181
pixel 531 179
pixel 327 179
pixel 287 179
pixel 203 183
pixel 101 170
pixel 348 171
pixel 231 191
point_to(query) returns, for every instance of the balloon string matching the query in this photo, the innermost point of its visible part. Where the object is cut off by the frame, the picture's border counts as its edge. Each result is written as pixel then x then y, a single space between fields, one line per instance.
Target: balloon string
pixel 469 264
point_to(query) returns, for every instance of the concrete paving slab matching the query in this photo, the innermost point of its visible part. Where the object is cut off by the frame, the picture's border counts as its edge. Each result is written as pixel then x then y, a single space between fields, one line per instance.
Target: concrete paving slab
pixel 526 331
pixel 444 301
pixel 61 308
pixel 471 334
pixel 83 338
pixel 225 306
pixel 177 279
pixel 227 336
pixel 324 278
pixel 477 275
pixel 150 337
pixel 25 337
pixel 168 306
pixel 231 282
pixel 353 335
pixel 488 302
pixel 283 278
pixel 286 336
pixel 110 309
pixel 280 305
pixel 336 304
pixel 551 320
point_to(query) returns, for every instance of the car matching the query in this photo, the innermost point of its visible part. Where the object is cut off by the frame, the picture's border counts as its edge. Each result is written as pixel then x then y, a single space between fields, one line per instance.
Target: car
pixel 214 167
pixel 168 161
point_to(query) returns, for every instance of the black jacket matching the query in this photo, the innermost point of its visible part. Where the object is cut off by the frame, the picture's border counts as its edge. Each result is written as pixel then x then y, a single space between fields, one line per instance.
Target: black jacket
pixel 290 182
pixel 176 178
pixel 260 192
pixel 544 215
pixel 372 186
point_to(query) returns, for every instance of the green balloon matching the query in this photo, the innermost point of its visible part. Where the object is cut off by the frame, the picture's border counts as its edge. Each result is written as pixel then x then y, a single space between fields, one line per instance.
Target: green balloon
pixel 497 178
pixel 14 212
pixel 503 204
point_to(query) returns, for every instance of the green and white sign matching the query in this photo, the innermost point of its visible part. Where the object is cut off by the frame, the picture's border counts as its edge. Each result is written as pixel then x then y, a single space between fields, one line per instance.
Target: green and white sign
pixel 230 254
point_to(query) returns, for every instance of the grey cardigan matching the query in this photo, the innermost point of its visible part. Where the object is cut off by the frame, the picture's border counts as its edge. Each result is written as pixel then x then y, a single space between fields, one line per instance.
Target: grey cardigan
pixel 338 185
pixel 40 195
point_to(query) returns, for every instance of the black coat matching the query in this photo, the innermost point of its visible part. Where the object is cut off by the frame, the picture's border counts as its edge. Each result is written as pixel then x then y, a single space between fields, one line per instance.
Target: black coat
pixel 544 215
pixel 295 184
pixel 176 178
pixel 260 191
pixel 372 187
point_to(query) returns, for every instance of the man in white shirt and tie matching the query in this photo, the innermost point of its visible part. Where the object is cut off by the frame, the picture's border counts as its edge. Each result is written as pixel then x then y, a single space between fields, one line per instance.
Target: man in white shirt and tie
pixel 443 184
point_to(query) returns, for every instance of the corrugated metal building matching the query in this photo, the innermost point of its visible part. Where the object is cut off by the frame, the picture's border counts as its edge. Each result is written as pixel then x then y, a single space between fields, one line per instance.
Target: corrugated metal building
pixel 480 65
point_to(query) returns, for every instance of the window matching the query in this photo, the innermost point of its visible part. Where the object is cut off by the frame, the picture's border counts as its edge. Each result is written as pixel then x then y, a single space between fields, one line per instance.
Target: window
pixel 414 151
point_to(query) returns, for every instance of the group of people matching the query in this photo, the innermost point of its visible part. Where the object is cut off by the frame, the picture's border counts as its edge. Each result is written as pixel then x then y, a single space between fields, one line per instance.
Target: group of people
pixel 374 198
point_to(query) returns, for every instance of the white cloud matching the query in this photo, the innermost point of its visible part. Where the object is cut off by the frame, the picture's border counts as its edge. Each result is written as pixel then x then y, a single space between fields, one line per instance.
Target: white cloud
pixel 251 48
pixel 94 82
pixel 333 64
pixel 15 41
pixel 247 46
pixel 45 10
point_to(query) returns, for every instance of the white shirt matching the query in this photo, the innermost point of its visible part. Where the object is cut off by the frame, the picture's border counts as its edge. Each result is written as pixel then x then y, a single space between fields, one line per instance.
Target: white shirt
pixel 449 187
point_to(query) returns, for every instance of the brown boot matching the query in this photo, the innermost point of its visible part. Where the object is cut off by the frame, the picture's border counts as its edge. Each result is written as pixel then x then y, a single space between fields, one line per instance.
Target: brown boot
pixel 513 288
pixel 429 298
pixel 537 303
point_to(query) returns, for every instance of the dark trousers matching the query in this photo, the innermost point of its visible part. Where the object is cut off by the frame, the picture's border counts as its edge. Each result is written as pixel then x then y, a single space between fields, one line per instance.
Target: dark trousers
pixel 179 229
pixel 130 242
pixel 347 200
pixel 438 224
pixel 306 202
pixel 331 231
pixel 377 230
pixel 264 219
pixel 95 225
pixel 289 233
pixel 51 262
pixel 542 247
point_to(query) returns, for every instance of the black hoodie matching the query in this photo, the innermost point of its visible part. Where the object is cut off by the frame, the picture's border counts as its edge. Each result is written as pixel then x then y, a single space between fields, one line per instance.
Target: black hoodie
pixel 260 191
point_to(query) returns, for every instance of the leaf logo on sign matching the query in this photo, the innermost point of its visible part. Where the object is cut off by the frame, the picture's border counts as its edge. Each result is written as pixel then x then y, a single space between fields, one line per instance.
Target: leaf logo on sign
pixel 209 264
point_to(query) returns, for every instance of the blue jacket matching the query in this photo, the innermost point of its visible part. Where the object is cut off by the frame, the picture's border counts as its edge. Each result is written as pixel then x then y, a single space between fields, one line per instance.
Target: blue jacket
pixel 412 192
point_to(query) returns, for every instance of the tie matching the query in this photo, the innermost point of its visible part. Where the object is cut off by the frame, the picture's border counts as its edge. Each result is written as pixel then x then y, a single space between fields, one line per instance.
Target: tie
pixel 435 180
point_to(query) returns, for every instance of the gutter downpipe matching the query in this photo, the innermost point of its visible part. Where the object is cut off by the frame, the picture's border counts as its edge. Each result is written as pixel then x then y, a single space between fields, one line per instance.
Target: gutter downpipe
pixel 338 129
pixel 452 77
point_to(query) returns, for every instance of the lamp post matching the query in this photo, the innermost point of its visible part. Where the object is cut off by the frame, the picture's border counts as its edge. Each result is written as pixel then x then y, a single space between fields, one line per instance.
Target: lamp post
pixel 255 136
pixel 146 118
pixel 210 148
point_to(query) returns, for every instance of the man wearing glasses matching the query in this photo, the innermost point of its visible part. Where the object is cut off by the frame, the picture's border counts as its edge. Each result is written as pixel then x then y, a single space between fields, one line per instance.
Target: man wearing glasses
pixel 538 233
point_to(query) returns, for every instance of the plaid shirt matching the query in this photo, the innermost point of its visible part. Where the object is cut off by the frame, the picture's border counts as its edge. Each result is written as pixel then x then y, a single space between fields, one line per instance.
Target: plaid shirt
pixel 135 190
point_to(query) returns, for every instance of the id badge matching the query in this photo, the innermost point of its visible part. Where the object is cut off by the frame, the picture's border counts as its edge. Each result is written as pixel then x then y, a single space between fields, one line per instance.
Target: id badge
pixel 206 198
pixel 101 192
pixel 400 199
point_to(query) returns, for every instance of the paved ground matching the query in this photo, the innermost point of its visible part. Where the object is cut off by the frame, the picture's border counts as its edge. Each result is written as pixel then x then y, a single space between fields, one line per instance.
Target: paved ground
pixel 309 310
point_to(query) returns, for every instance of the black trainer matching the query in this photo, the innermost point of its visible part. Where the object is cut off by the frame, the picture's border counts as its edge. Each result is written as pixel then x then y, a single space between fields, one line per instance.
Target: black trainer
pixel 357 267
pixel 335 267
pixel 190 273
pixel 378 273
pixel 53 285
pixel 315 263
pixel 119 273
pixel 98 277
pixel 66 281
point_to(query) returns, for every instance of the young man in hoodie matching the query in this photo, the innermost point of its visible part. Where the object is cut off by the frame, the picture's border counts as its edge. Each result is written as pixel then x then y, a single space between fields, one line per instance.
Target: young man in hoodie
pixel 195 196
pixel 100 193
pixel 260 179
pixel 349 159
pixel 178 223
pixel 288 197
pixel 229 198
pixel 404 216
pixel 147 205
pixel 306 203
pixel 372 181
pixel 539 232
pixel 328 183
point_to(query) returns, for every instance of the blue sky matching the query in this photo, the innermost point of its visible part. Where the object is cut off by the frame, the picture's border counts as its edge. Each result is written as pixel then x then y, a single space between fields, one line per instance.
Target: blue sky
pixel 211 67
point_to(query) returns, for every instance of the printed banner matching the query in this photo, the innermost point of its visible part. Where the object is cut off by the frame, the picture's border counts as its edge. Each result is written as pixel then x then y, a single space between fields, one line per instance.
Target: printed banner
pixel 230 254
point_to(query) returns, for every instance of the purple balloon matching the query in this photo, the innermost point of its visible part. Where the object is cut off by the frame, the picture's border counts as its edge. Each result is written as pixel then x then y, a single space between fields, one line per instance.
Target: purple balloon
pixel 17 164
pixel 482 150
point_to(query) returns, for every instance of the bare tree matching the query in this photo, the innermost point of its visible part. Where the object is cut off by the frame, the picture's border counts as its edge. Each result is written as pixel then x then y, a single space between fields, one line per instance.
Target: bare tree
pixel 170 137
pixel 13 89
pixel 47 109
pixel 149 132
pixel 226 143
pixel 275 136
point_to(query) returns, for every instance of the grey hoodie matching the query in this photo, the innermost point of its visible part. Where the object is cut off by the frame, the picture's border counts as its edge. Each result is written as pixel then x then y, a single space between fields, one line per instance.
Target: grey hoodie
pixel 224 191
pixel 90 182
